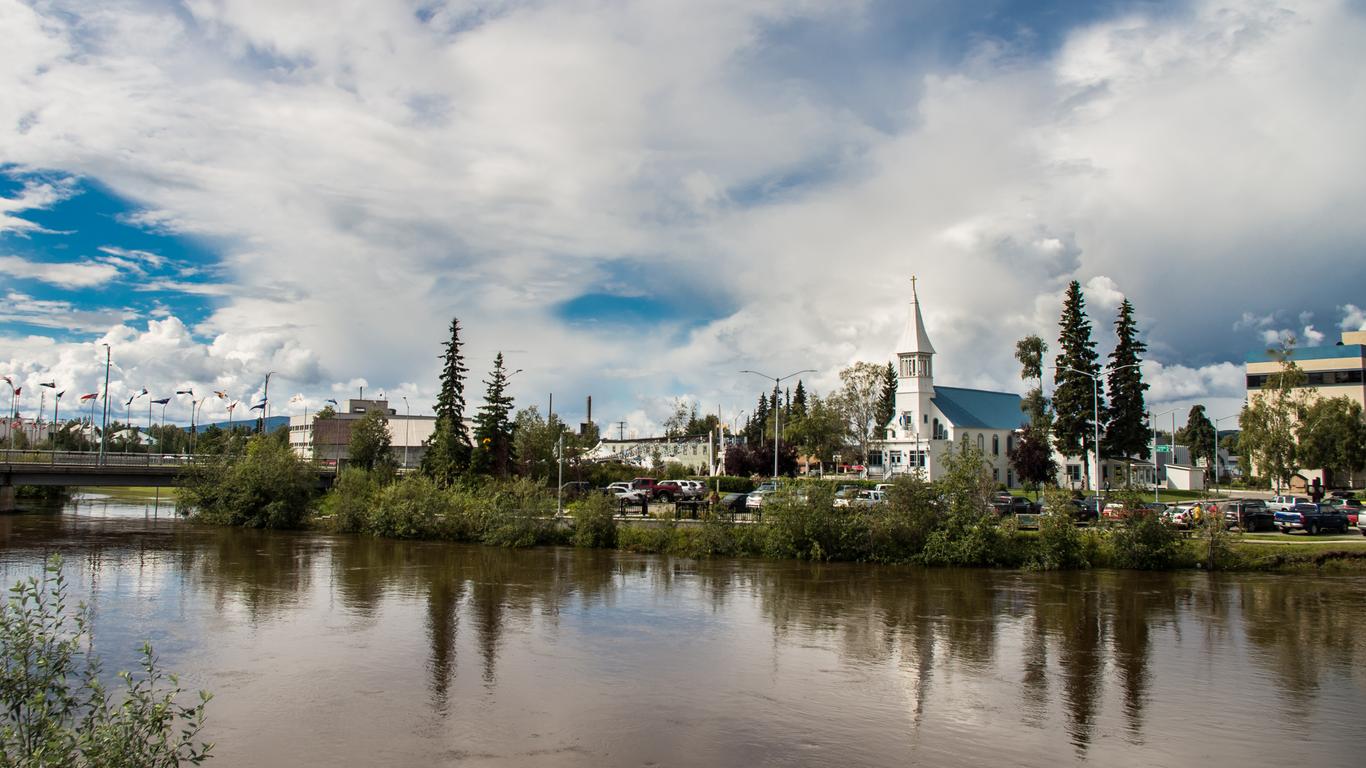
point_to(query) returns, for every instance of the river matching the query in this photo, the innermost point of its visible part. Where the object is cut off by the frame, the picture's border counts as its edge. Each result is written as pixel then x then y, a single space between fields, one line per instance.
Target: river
pixel 339 650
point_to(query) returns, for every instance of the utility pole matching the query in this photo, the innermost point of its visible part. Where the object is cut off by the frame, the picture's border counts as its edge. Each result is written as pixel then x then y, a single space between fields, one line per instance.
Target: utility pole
pixel 621 430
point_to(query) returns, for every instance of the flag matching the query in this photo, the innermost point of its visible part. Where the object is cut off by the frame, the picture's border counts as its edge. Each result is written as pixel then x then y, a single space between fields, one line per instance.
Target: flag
pixel 162 401
pixel 221 395
pixel 90 396
pixel 131 398
pixel 333 402
pixel 259 406
pixel 18 390
pixel 189 392
pixel 232 405
pixel 48 384
pixel 9 381
pixel 59 394
pixel 143 392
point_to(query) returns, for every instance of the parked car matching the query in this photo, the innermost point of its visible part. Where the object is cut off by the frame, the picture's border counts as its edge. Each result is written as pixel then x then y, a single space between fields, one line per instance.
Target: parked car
pixel 755 499
pixel 624 492
pixel 845 495
pixel 1361 524
pixel 867 498
pixel 1312 519
pixel 1249 515
pixel 1156 507
pixel 1005 504
pixel 1350 506
pixel 696 488
pixel 657 490
pixel 1285 502
pixel 1343 494
pixel 576 489
pixel 732 502
pixel 1116 511
pixel 671 490
pixel 1188 514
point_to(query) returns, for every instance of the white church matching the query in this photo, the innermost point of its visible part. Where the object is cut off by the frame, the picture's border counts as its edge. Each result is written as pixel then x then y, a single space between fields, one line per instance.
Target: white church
pixel 930 420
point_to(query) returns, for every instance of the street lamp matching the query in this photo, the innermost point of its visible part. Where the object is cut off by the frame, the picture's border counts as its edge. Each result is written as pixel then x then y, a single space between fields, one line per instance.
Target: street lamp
pixel 1095 415
pixel 407 420
pixel 776 381
pixel 265 402
pixel 104 423
pixel 1152 418
pixel 1214 458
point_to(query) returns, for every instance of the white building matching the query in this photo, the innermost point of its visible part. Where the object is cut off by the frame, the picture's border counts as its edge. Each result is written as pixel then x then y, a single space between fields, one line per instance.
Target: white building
pixel 329 440
pixel 694 452
pixel 930 420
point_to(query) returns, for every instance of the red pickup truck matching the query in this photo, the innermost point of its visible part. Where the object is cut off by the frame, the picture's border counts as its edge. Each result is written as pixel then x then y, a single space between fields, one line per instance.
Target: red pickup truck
pixel 654 490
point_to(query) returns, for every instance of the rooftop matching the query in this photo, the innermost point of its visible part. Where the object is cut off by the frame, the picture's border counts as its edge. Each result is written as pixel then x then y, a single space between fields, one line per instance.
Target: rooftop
pixel 979 408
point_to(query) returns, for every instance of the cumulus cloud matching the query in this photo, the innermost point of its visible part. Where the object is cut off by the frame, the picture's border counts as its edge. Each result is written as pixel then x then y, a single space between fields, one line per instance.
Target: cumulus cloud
pixel 1353 318
pixel 496 165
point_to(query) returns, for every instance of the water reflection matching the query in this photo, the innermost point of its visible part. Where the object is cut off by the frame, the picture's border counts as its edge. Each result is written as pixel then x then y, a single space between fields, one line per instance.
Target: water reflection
pixel 876 665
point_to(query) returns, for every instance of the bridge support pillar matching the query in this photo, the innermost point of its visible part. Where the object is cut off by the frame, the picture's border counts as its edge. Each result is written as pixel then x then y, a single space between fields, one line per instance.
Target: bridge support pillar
pixel 6 498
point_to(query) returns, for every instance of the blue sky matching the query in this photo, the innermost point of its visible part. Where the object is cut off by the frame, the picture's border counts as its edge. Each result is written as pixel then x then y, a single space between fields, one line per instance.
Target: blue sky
pixel 635 200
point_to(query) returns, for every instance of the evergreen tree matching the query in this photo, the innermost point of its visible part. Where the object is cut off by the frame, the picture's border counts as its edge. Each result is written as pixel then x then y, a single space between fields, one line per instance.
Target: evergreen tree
pixel 1126 428
pixel 886 404
pixel 493 451
pixel 1198 436
pixel 799 403
pixel 448 449
pixel 754 429
pixel 1073 395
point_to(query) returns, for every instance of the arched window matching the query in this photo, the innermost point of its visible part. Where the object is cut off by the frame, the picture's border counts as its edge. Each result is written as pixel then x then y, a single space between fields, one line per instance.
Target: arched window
pixel 995 445
pixel 981 442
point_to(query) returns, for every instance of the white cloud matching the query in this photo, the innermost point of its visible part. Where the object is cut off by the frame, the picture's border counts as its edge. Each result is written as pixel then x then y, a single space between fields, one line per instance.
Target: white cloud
pixel 1353 318
pixel 84 274
pixel 495 166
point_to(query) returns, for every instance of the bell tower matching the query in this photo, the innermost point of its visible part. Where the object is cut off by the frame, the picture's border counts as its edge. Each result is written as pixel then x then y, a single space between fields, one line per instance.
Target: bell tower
pixel 915 374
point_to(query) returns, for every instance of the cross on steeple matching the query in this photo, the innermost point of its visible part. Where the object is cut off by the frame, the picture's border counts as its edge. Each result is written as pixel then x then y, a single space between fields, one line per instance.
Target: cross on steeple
pixel 912 283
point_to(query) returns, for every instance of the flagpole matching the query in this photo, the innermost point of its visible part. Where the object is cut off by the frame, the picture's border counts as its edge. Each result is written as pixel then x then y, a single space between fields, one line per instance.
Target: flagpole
pixel 104 430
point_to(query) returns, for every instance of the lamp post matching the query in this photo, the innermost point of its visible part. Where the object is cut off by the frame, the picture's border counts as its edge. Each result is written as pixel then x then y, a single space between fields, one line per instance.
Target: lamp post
pixel 407 420
pixel 13 403
pixel 265 402
pixel 1152 418
pixel 104 422
pixel 1095 416
pixel 1214 457
pixel 776 413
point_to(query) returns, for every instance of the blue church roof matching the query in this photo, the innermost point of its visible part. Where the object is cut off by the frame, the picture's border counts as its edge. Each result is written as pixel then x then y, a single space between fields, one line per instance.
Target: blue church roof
pixel 978 408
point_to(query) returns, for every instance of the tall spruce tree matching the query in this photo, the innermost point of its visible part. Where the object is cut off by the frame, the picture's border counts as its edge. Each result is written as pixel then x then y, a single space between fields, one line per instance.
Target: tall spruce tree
pixel 493 453
pixel 886 404
pixel 1198 436
pixel 448 449
pixel 758 421
pixel 1126 427
pixel 799 400
pixel 1073 394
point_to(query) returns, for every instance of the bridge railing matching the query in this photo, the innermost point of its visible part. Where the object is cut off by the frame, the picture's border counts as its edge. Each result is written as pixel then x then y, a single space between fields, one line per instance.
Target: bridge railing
pixel 93 459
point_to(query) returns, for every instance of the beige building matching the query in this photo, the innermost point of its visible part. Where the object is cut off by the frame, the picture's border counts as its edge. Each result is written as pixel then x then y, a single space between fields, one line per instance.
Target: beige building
pixel 329 440
pixel 1335 371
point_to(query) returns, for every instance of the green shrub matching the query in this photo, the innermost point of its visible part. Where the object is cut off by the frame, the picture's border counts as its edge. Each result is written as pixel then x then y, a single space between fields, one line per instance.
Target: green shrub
pixel 266 487
pixel 647 539
pixel 516 515
pixel 899 527
pixel 412 508
pixel 595 522
pixel 54 711
pixel 804 525
pixel 1059 544
pixel 731 484
pixel 1145 542
pixel 350 500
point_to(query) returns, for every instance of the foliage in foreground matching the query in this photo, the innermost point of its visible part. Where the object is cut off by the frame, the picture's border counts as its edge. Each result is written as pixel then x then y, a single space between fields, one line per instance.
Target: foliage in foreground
pixel 55 711
pixel 267 487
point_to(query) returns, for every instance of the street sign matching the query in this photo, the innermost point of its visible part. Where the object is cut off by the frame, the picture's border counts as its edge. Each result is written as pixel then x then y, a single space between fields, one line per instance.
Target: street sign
pixel 1164 448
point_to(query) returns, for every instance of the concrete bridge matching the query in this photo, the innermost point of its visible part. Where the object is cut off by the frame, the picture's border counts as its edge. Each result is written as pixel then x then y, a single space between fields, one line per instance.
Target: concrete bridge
pixel 81 468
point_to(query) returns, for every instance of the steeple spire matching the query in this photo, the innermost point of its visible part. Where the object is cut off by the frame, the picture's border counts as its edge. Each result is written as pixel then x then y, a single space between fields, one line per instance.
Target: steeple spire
pixel 914 339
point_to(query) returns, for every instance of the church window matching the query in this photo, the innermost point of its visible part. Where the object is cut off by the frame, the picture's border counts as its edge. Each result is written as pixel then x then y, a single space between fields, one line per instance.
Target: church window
pixel 981 442
pixel 995 445
pixel 995 475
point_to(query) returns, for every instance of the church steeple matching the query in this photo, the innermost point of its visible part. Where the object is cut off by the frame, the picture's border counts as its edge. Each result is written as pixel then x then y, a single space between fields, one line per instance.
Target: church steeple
pixel 914 340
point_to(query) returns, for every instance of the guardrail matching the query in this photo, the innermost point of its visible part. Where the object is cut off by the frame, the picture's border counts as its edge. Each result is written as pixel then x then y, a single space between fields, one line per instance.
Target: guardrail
pixel 93 459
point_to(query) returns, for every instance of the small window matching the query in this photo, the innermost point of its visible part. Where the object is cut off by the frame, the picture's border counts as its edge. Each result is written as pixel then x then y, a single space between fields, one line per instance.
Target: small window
pixel 995 445
pixel 981 442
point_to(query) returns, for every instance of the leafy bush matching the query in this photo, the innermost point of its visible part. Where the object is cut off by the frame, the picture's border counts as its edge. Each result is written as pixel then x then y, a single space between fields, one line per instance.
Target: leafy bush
pixel 516 515
pixel 54 711
pixel 412 508
pixel 900 527
pixel 1059 544
pixel 267 487
pixel 1146 543
pixel 349 502
pixel 595 522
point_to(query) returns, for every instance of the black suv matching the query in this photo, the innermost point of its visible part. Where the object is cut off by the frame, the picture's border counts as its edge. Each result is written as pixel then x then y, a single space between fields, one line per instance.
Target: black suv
pixel 1249 515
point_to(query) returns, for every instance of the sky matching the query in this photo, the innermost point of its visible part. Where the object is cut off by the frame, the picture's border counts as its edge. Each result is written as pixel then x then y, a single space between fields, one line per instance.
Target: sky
pixel 638 200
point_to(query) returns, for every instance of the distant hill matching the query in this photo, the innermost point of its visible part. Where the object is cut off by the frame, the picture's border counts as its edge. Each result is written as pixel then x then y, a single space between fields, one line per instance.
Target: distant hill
pixel 273 423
